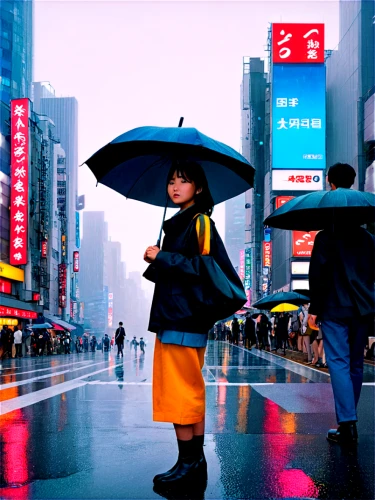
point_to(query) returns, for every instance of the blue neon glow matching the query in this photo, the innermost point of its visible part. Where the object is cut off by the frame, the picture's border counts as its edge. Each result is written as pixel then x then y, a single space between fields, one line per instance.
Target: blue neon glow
pixel 299 116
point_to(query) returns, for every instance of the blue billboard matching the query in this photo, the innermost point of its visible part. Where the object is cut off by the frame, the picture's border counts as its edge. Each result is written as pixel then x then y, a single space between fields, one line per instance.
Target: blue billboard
pixel 299 116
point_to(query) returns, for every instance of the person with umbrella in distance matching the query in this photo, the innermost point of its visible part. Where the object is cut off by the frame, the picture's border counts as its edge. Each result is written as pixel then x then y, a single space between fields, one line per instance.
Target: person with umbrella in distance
pixel 181 323
pixel 342 274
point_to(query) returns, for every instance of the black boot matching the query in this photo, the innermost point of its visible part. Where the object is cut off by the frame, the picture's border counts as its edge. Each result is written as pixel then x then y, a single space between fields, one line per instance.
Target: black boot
pixel 190 465
pixel 181 447
pixel 346 434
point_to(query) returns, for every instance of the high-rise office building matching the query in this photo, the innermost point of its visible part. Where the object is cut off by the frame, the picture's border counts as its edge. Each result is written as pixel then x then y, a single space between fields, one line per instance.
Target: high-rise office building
pixel 63 111
pixel 350 91
pixel 15 80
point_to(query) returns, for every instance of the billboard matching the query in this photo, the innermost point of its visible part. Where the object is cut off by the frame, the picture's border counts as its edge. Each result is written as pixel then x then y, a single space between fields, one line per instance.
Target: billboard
pixel 300 268
pixel 297 43
pixel 297 180
pixel 19 174
pixel 18 313
pixel 247 280
pixel 303 243
pixel 298 116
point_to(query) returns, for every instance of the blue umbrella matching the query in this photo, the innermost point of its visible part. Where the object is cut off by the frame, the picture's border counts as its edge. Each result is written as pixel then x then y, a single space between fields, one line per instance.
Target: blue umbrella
pixel 325 210
pixel 136 164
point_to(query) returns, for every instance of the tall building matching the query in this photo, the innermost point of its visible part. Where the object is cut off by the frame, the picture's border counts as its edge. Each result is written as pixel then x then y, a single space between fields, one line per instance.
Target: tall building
pixel 234 228
pixel 63 111
pixel 350 91
pixel 15 81
pixel 253 92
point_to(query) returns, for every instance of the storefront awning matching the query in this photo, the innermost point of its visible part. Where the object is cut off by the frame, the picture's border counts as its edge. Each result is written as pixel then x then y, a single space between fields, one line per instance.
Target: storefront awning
pixel 58 321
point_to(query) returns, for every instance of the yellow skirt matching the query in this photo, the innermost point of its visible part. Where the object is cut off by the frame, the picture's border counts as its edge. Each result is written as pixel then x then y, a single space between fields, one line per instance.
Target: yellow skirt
pixel 178 390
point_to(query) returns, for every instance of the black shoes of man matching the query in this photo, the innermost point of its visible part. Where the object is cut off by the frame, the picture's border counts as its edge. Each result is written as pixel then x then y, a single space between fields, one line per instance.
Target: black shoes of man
pixel 345 435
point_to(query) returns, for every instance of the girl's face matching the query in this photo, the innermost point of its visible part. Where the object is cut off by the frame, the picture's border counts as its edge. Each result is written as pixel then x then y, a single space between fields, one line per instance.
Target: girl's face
pixel 182 192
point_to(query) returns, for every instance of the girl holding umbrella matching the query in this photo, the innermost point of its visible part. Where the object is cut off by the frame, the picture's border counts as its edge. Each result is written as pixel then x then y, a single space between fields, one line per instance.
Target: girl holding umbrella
pixel 180 321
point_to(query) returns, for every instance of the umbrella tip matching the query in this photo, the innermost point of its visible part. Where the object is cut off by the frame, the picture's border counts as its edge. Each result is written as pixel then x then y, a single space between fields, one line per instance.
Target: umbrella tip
pixel 181 121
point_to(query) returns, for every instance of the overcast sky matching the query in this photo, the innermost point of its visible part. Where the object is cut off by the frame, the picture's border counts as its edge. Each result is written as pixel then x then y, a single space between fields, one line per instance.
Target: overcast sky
pixel 148 63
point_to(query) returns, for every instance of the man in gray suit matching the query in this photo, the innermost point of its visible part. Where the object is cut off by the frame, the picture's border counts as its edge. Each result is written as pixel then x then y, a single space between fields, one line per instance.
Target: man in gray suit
pixel 342 273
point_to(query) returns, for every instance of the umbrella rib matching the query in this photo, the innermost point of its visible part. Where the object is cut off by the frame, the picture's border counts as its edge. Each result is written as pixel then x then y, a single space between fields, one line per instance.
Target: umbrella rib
pixel 162 162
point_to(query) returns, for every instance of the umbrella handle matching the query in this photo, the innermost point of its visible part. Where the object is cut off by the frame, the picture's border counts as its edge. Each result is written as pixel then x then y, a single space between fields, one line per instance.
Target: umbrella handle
pixel 162 224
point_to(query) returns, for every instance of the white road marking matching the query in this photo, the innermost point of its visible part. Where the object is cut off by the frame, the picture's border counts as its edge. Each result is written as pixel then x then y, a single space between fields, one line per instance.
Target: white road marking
pixel 49 392
pixel 44 369
pixel 42 377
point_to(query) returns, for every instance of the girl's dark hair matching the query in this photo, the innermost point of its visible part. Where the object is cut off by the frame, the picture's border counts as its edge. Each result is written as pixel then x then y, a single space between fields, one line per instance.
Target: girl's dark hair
pixel 191 171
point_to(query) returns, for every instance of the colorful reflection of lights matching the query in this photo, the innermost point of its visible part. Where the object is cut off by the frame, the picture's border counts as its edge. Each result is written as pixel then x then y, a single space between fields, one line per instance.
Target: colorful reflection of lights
pixel 221 399
pixel 243 406
pixel 14 434
pixel 279 451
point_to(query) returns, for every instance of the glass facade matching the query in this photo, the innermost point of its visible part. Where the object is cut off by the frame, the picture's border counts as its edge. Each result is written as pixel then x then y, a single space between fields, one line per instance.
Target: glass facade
pixel 15 81
pixel 350 83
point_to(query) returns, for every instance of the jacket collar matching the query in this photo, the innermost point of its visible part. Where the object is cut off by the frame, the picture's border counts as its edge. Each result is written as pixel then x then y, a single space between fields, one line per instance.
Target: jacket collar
pixel 180 221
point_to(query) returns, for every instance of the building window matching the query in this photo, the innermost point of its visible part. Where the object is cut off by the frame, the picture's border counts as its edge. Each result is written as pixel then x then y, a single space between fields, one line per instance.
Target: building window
pixel 5 81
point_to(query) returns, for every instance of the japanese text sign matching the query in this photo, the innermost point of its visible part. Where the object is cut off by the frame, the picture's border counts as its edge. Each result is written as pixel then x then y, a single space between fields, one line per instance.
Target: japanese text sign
pixel 297 180
pixel 62 285
pixel 297 43
pixel 18 313
pixel 281 200
pixel 267 254
pixel 44 248
pixel 299 116
pixel 241 271
pixel 110 309
pixel 76 262
pixel 303 243
pixel 19 196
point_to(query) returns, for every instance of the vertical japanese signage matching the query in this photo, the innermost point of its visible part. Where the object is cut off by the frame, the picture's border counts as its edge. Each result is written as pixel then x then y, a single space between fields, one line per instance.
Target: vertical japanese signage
pixel 298 116
pixel 241 270
pixel 247 281
pixel 267 254
pixel 78 236
pixel 44 249
pixel 62 285
pixel 110 309
pixel 297 43
pixel 19 195
pixel 76 262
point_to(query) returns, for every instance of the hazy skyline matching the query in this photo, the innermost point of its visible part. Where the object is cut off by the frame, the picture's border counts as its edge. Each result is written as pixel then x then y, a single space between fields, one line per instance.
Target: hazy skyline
pixel 148 63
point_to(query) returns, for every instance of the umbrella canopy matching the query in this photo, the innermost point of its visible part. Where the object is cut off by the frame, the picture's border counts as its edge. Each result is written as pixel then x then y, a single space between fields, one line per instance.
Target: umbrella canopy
pixel 284 308
pixel 324 210
pixel 273 300
pixel 41 325
pixel 136 164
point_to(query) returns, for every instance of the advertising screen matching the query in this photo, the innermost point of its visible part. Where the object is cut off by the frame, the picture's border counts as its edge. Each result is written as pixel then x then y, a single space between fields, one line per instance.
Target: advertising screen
pixel 297 43
pixel 303 243
pixel 298 116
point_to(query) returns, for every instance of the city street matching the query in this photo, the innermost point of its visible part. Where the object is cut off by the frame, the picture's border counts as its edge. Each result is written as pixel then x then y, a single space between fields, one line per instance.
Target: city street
pixel 80 426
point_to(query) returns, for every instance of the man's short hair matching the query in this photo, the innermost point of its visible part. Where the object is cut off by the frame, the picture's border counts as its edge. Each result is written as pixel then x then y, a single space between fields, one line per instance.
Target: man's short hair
pixel 120 323
pixel 342 175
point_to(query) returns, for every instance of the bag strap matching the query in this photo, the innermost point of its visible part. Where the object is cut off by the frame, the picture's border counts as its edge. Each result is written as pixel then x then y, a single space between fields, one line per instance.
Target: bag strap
pixel 203 229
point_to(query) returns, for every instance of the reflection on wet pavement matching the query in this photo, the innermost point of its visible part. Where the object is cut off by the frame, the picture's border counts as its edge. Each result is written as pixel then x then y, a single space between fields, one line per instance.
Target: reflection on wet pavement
pixel 65 434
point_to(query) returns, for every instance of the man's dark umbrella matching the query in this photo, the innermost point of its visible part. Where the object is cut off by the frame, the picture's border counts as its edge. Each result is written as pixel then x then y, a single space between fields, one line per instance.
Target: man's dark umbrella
pixel 136 164
pixel 324 210
pixel 271 301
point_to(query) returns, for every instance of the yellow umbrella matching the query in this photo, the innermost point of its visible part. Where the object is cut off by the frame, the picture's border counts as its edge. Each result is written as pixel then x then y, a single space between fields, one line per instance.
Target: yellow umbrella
pixel 284 308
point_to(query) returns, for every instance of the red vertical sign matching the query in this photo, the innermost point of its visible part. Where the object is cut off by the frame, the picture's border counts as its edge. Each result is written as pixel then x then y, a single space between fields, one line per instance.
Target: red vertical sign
pixel 297 43
pixel 62 285
pixel 19 193
pixel 75 262
pixel 267 254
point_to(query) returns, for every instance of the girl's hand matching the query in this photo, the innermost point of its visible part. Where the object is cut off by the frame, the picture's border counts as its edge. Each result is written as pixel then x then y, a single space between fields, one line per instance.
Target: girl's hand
pixel 150 254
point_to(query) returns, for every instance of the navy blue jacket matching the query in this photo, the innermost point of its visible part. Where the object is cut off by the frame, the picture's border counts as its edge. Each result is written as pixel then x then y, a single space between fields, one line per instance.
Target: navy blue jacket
pixel 342 273
pixel 185 298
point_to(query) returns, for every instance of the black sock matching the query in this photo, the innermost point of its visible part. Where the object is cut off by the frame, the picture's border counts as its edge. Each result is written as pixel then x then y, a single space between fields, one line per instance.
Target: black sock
pixel 198 445
pixel 186 449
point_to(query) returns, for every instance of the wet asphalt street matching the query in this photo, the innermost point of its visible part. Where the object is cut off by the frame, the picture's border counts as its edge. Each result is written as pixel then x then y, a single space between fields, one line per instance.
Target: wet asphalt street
pixel 80 427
